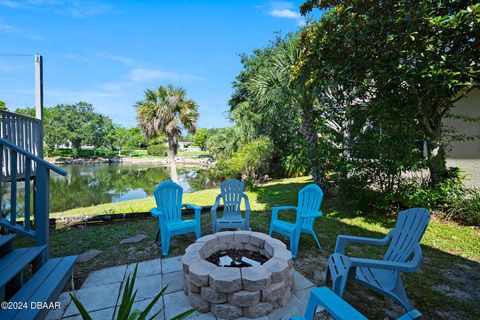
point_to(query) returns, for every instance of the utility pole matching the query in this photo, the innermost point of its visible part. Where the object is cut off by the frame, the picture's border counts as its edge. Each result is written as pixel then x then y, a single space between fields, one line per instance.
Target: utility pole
pixel 39 99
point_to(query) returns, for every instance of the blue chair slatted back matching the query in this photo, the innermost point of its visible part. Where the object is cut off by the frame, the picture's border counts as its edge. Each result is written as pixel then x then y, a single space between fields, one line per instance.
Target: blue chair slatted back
pixel 309 201
pixel 168 196
pixel 410 227
pixel 232 192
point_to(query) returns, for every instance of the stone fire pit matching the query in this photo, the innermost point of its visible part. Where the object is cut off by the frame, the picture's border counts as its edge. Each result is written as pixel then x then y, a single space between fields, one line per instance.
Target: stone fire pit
pixel 231 292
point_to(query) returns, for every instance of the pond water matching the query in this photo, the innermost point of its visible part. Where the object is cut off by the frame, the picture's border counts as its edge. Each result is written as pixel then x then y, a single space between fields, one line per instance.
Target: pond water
pixel 92 184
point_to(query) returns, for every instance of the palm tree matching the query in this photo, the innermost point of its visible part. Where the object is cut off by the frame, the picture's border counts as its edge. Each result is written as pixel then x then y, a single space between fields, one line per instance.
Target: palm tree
pixel 167 111
pixel 273 83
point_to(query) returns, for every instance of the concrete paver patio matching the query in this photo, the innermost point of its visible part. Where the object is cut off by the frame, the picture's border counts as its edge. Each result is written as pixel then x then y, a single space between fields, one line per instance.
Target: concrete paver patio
pixel 101 293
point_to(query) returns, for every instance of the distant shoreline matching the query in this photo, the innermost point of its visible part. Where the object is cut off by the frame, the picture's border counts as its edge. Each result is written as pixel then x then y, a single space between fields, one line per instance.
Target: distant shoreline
pixel 203 162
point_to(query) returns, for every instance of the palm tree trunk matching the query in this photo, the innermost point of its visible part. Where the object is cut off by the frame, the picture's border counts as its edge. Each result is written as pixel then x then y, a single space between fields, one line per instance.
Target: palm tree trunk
pixel 173 165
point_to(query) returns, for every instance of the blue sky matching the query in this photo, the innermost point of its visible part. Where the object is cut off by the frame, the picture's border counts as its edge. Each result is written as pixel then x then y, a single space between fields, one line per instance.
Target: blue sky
pixel 108 52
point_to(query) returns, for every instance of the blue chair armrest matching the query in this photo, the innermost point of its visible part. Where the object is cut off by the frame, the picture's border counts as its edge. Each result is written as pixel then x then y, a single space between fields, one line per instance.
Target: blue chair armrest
pixel 275 210
pixel 194 207
pixel 197 209
pixel 342 240
pixel 213 211
pixel 314 214
pixel 336 306
pixel 247 209
pixel 247 202
pixel 155 212
pixel 217 203
pixel 410 266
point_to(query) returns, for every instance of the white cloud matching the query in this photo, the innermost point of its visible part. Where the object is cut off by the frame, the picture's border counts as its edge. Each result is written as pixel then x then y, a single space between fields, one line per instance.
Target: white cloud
pixel 77 95
pixel 124 60
pixel 6 67
pixel 81 9
pixel 73 8
pixel 143 74
pixel 301 23
pixel 114 86
pixel 285 10
pixel 10 4
pixel 284 13
pixel 9 29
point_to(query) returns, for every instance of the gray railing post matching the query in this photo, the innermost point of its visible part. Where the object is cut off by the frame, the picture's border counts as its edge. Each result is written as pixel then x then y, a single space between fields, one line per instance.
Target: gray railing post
pixel 42 186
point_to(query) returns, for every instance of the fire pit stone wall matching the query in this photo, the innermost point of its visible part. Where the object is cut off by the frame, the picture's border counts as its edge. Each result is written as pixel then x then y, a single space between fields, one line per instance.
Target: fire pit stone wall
pixel 230 292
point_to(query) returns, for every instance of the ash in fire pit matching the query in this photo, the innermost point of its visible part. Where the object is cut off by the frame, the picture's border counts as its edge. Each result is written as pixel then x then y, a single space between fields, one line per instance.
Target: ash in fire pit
pixel 237 258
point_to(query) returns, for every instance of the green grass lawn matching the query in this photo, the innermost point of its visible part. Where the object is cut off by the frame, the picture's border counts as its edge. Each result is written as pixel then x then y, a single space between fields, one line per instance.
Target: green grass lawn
pixel 446 287
pixel 192 153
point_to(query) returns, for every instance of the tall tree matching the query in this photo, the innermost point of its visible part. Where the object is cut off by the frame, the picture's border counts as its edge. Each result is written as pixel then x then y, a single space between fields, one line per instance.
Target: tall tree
pixel 270 90
pixel 167 110
pixel 200 138
pixel 121 135
pixel 136 139
pixel 414 58
pixel 3 106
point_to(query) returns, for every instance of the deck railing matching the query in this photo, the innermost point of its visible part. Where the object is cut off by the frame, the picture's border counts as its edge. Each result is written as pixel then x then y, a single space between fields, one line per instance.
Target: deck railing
pixel 24 132
pixel 36 213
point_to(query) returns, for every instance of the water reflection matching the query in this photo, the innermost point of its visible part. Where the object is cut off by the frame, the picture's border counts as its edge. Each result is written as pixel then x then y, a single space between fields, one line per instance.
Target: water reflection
pixel 93 184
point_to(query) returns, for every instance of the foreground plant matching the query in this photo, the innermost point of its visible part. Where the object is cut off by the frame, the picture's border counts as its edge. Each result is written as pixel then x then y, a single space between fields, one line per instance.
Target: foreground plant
pixel 125 311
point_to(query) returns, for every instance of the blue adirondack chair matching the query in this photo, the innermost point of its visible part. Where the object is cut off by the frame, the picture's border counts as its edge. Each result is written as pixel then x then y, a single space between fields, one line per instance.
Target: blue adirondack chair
pixel 231 193
pixel 403 255
pixel 308 209
pixel 338 308
pixel 168 196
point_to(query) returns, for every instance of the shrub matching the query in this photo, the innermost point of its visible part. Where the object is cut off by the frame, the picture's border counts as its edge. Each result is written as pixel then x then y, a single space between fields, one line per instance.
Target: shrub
pixel 466 207
pixel 157 150
pixel 250 164
pixel 449 198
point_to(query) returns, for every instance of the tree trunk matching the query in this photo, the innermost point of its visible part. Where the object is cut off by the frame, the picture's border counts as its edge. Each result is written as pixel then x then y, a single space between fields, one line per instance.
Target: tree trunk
pixel 120 151
pixel 436 164
pixel 173 166
pixel 311 137
pixel 432 126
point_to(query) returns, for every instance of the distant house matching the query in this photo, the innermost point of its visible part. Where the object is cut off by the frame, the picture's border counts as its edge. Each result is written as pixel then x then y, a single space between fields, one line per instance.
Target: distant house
pixel 187 146
pixel 468 106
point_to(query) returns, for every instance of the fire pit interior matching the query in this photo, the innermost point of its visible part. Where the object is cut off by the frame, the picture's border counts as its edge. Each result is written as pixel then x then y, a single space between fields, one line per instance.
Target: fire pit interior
pixel 237 258
pixel 237 274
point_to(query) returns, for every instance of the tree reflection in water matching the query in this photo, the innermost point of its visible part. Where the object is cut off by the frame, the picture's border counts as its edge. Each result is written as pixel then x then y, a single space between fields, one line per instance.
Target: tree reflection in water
pixel 93 184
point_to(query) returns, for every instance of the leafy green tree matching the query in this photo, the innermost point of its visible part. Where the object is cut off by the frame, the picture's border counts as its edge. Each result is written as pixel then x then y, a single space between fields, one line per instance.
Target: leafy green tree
pixel 166 110
pixel 76 124
pixel 135 140
pixel 200 138
pixel 3 106
pixel 27 111
pixel 403 59
pixel 250 163
pixel 266 102
pixel 121 136
pixel 223 142
pixel 99 129
pixel 75 121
